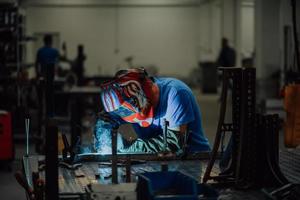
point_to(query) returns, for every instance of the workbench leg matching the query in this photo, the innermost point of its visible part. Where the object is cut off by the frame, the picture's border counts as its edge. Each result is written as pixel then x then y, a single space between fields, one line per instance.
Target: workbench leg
pixel 51 163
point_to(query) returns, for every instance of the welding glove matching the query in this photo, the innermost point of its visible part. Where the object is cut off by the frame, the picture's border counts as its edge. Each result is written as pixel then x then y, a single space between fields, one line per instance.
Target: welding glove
pixel 108 121
pixel 155 144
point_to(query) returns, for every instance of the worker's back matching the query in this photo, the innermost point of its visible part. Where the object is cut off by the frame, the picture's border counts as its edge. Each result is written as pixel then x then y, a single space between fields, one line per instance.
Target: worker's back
pixel 178 106
pixel 47 57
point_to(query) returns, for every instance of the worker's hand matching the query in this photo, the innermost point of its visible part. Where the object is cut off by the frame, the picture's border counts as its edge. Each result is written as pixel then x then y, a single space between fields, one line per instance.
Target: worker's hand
pixel 109 121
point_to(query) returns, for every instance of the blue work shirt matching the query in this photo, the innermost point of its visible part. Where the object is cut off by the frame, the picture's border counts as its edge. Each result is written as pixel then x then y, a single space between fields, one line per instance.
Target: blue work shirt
pixel 178 106
pixel 47 55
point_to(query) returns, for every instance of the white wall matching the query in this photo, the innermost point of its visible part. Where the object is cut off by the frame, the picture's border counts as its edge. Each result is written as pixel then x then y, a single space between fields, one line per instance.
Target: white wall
pixel 247 30
pixel 209 31
pixel 168 37
pixel 173 35
pixel 238 26
pixel 228 20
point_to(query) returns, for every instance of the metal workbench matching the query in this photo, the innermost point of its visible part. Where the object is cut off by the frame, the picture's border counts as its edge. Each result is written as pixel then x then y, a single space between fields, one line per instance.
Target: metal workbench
pixel 73 186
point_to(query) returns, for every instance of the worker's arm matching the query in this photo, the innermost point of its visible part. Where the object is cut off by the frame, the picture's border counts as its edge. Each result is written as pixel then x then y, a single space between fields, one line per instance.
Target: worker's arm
pixel 109 119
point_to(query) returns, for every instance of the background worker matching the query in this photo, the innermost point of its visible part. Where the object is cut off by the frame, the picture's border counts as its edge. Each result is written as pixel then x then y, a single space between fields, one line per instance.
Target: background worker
pixel 227 55
pixel 145 102
pixel 46 60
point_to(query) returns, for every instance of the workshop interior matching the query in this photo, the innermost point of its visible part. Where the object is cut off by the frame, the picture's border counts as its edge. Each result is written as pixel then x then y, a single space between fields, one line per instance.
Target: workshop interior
pixel 149 99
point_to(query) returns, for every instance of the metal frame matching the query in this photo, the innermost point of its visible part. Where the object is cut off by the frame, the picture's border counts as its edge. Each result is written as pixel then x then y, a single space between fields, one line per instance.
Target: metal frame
pixel 247 147
pixel 95 157
pixel 235 75
pixel 254 136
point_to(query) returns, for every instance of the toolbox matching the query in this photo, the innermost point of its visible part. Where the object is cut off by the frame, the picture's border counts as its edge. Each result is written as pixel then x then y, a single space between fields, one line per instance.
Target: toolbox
pixel 171 185
pixel 6 139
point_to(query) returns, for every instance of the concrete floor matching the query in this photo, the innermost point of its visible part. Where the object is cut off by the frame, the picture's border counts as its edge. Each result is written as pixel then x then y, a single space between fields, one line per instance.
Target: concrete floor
pixel 9 188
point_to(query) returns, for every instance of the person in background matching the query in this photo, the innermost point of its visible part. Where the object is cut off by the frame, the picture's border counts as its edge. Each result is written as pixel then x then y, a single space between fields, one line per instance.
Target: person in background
pixel 46 60
pixel 147 103
pixel 227 55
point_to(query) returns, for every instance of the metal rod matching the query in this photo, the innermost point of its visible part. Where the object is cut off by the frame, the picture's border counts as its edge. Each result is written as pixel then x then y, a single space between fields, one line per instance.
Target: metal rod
pixel 217 141
pixel 27 123
pixel 18 54
pixel 114 159
pixel 166 124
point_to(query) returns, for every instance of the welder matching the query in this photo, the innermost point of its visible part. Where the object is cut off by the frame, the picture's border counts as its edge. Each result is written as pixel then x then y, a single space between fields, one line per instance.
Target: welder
pixel 148 103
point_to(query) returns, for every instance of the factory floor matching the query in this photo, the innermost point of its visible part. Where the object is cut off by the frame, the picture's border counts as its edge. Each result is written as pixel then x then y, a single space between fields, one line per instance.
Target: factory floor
pixel 11 190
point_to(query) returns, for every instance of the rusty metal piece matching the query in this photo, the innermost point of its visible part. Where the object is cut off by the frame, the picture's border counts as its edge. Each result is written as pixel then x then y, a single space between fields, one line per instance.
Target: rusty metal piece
pixel 219 132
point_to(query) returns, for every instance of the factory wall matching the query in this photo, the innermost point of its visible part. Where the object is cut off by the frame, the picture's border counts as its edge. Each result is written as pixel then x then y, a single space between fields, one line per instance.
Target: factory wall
pixel 247 31
pixel 286 21
pixel 165 37
pixel 271 17
pixel 238 26
pixel 173 38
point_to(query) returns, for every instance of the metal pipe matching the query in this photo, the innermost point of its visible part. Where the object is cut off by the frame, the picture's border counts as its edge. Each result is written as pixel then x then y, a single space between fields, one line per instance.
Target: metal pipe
pixel 27 125
pixel 114 159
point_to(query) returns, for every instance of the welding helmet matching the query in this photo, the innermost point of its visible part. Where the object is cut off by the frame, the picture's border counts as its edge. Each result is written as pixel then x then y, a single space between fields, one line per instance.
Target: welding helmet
pixel 129 96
